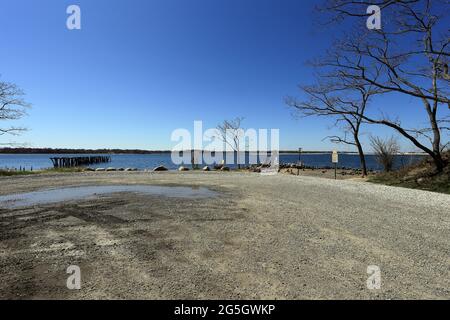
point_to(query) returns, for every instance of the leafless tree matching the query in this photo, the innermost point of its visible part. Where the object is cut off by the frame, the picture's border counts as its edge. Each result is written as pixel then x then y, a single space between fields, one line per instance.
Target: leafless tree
pixel 385 151
pixel 343 100
pixel 231 132
pixel 408 56
pixel 12 107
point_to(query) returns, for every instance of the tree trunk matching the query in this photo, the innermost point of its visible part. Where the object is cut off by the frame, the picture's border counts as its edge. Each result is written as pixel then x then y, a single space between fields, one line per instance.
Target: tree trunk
pixel 362 159
pixel 438 162
pixel 432 115
pixel 436 143
pixel 437 158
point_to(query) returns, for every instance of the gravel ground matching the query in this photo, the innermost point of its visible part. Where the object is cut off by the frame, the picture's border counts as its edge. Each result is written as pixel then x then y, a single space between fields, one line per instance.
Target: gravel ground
pixel 263 237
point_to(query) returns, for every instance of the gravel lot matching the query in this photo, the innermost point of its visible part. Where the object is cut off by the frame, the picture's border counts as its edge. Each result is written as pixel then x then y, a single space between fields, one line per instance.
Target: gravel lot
pixel 263 237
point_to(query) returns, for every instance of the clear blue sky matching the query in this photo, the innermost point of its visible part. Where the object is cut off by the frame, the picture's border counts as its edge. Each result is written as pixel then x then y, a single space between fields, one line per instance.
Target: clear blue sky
pixel 139 69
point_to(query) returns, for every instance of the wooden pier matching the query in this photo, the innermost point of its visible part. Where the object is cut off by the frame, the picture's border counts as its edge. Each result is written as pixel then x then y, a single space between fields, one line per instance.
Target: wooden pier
pixel 67 162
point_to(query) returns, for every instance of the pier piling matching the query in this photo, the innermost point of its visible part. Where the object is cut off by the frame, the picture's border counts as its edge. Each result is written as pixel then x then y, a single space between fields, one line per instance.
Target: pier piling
pixel 67 162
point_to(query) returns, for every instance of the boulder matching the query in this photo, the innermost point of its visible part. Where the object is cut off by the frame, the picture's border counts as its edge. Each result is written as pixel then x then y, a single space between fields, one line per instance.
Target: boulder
pixel 130 169
pixel 206 168
pixel 160 168
pixel 182 168
pixel 225 169
pixel 110 169
pixel 89 169
pixel 100 169
pixel 121 169
pixel 220 166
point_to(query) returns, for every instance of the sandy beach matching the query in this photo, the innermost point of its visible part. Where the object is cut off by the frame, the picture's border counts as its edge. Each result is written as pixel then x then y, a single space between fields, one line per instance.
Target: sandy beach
pixel 254 237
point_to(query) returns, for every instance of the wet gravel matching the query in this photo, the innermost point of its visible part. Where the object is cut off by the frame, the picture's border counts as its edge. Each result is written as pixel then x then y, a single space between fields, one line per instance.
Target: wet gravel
pixel 262 237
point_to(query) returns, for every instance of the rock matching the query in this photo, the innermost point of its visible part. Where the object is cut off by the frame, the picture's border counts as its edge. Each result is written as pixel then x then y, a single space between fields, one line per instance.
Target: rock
pixel 225 169
pixel 100 169
pixel 206 168
pixel 130 169
pixel 110 169
pixel 121 169
pixel 183 169
pixel 420 180
pixel 160 168
pixel 220 166
pixel 89 169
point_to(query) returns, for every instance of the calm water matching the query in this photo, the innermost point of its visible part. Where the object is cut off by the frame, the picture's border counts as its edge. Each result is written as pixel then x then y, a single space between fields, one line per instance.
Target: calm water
pixel 149 161
pixel 76 193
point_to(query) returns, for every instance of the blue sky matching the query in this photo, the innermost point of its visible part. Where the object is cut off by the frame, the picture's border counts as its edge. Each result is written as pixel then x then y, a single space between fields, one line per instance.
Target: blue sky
pixel 139 69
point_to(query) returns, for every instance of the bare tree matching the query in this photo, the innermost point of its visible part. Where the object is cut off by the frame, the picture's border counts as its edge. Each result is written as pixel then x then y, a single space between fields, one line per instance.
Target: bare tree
pixel 408 56
pixel 385 151
pixel 12 107
pixel 343 100
pixel 230 132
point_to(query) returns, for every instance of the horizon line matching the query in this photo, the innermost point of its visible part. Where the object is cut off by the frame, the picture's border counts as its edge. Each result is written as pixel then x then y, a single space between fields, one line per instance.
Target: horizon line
pixel 31 150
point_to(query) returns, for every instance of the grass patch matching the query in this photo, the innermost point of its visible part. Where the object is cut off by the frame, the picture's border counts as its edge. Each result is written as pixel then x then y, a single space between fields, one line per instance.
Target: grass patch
pixel 8 173
pixel 440 183
pixel 420 176
pixel 64 170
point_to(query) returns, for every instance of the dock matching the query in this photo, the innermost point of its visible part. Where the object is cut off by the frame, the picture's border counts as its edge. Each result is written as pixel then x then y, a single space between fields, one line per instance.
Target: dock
pixel 67 162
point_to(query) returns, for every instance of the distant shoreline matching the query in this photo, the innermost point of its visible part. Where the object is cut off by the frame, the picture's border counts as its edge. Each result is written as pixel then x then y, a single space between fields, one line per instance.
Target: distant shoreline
pixel 138 151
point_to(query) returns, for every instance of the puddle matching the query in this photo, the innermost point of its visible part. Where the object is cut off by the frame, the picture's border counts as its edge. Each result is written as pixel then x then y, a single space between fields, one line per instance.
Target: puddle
pixel 77 193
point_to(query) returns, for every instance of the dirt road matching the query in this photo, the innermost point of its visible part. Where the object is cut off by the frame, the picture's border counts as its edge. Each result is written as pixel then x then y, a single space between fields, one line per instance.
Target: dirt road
pixel 261 237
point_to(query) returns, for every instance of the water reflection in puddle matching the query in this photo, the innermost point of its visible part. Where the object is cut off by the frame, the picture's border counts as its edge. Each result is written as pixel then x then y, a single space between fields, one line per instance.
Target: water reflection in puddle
pixel 76 193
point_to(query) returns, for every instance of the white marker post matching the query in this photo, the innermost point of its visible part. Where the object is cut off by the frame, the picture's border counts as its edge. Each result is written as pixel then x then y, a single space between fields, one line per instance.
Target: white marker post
pixel 335 160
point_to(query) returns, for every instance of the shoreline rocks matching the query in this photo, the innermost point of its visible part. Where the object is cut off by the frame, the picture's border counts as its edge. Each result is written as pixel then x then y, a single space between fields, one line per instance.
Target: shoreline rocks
pixel 160 168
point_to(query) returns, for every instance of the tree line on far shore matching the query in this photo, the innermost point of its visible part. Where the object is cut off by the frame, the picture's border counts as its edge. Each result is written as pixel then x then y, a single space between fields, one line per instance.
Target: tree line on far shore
pixel 77 151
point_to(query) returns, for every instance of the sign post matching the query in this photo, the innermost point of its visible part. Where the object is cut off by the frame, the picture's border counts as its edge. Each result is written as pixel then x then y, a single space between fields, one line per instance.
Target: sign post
pixel 299 164
pixel 335 160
